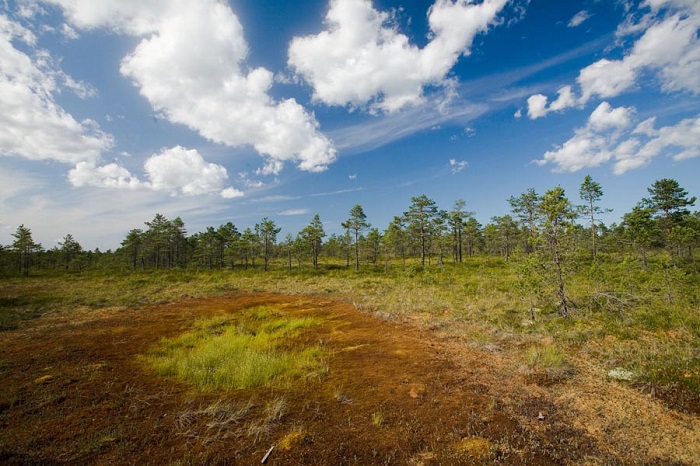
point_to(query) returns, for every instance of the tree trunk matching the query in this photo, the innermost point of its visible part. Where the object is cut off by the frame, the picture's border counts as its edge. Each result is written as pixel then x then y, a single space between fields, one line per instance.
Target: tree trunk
pixel 357 251
pixel 561 294
pixel 593 231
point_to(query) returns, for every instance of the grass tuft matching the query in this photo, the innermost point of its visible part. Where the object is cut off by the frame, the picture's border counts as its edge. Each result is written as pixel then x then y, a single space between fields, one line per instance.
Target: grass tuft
pixel 222 353
pixel 544 357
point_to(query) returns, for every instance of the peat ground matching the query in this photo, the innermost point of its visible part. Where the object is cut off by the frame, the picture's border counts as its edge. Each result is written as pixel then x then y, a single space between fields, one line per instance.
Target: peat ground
pixel 76 391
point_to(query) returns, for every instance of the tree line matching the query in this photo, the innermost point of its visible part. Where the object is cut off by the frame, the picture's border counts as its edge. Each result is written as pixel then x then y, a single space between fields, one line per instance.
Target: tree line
pixel 548 229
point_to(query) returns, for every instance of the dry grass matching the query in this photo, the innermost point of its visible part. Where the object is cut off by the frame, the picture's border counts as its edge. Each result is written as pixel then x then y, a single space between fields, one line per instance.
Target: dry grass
pixel 215 422
pixel 628 422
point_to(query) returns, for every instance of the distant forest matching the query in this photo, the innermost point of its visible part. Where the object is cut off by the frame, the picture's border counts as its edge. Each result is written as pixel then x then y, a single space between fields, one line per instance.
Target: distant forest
pixel 551 226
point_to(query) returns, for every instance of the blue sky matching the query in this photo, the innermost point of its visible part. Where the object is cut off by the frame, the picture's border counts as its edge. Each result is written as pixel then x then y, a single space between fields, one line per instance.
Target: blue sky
pixel 221 111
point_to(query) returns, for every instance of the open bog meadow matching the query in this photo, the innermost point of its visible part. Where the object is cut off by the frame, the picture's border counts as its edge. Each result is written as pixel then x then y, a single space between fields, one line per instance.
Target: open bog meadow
pixel 349 232
pixel 402 365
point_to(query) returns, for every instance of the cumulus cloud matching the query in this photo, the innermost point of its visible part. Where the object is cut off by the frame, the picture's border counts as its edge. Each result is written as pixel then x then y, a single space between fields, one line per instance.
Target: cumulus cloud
pixel 176 170
pixel 179 170
pixel 579 18
pixel 683 136
pixel 590 145
pixel 537 104
pixel 32 124
pixel 361 58
pixel 106 176
pixel 668 46
pixel 608 137
pixel 605 117
pixel 191 66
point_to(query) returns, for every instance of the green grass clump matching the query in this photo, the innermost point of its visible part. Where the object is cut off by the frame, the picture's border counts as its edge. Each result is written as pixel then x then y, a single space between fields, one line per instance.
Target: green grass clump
pixel 377 419
pixel 544 357
pixel 226 353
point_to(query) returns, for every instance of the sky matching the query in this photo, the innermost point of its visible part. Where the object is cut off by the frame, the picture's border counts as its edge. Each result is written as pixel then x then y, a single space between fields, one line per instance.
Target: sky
pixel 218 111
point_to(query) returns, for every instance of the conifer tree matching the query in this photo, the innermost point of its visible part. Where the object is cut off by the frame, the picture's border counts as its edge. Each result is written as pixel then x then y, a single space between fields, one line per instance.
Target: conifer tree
pixel 25 248
pixel 557 213
pixel 356 223
pixel 591 192
pixel 420 219
pixel 669 200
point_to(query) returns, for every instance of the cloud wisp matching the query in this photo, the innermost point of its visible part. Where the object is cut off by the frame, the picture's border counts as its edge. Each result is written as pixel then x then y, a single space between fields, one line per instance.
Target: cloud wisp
pixel 579 18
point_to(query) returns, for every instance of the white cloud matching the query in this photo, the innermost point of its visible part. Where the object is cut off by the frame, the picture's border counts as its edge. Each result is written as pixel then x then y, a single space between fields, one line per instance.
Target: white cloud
pixel 106 176
pixel 184 171
pixel 361 58
pixel 566 99
pixel 605 117
pixel 684 136
pixel 176 170
pixel 29 8
pixel 591 145
pixel 606 78
pixel 536 106
pixel 294 212
pixel 32 124
pixel 231 193
pixel 579 18
pixel 243 177
pixel 458 165
pixel 68 32
pixel 607 137
pixel 668 46
pixel 191 66
pixel 352 177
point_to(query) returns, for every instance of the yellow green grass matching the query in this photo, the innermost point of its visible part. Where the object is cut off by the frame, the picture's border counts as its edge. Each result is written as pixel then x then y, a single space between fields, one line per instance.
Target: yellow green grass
pixel 250 351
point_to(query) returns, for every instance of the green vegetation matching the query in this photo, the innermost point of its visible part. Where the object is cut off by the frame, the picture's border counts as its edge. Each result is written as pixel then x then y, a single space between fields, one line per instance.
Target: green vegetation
pixel 226 353
pixel 623 296
pixel 377 419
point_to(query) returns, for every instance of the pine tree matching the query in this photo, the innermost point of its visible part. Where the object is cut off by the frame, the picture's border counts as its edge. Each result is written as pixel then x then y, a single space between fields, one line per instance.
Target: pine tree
pixel 267 231
pixel 313 235
pixel 669 199
pixel 457 218
pixel 525 207
pixel 25 248
pixel 591 192
pixel 557 212
pixel 420 219
pixel 70 250
pixel 356 223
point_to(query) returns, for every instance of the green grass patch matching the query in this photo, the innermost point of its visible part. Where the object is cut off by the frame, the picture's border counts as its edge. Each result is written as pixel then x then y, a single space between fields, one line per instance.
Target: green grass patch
pixel 226 352
pixel 544 357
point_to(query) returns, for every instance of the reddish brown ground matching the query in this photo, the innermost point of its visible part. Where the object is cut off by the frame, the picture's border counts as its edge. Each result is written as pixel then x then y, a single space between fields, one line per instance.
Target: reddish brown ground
pixel 74 392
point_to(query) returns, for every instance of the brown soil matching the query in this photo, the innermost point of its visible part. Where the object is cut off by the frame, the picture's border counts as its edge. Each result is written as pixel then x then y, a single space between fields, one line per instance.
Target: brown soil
pixel 75 392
